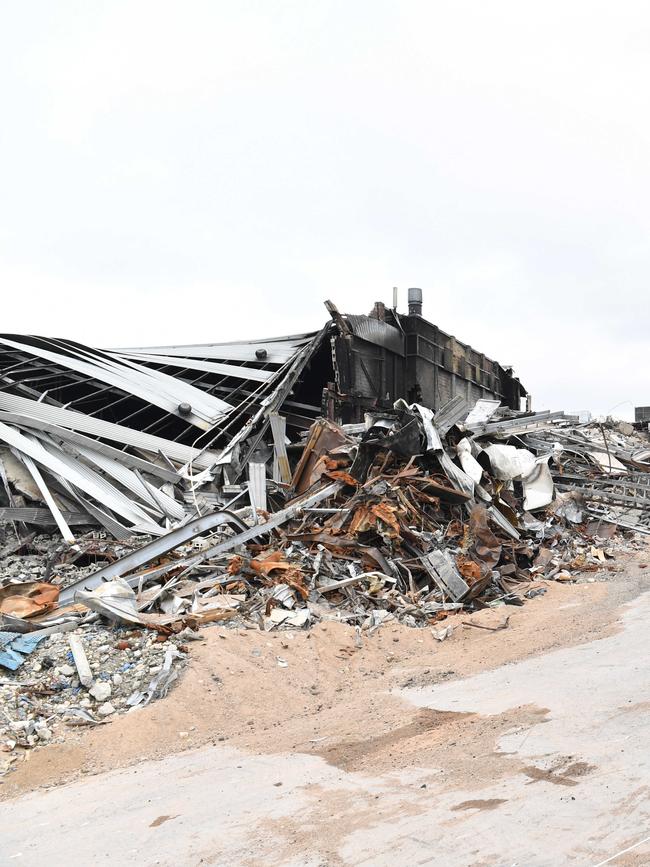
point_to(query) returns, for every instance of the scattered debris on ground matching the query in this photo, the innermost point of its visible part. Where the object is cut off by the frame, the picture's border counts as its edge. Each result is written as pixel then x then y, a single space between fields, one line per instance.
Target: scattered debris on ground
pixel 394 521
pixel 408 516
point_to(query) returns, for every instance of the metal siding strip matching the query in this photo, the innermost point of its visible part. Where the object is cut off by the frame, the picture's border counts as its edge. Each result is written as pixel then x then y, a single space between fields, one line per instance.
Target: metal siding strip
pixel 66 532
pixel 281 470
pixel 69 436
pixel 113 526
pixel 128 479
pixel 151 386
pixel 42 517
pixel 277 351
pixel 61 465
pixel 257 486
pixel 101 489
pixel 68 418
pixel 244 373
pixel 161 383
pixel 210 405
pixel 441 567
pixel 450 413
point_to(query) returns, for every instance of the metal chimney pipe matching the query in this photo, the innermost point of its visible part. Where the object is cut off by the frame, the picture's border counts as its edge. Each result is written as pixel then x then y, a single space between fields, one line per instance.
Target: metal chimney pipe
pixel 415 302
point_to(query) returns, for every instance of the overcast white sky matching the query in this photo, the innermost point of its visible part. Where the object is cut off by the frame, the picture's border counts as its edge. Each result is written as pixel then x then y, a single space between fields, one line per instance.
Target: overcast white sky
pixel 194 171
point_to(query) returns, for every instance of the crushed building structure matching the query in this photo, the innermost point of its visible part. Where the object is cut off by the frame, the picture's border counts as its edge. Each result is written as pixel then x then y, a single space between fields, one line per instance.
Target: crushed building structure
pixel 125 438
pixel 376 470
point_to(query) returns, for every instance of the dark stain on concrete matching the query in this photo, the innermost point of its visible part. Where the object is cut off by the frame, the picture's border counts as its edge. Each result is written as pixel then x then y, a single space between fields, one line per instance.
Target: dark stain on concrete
pixel 480 804
pixel 559 776
pixel 159 821
pixel 347 754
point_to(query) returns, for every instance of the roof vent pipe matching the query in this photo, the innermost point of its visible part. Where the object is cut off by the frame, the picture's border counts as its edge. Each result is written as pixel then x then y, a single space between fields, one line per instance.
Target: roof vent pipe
pixel 415 302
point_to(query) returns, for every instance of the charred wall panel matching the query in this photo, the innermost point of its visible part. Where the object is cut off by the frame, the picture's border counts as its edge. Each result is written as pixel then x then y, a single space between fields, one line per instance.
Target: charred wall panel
pixel 441 367
pixel 378 362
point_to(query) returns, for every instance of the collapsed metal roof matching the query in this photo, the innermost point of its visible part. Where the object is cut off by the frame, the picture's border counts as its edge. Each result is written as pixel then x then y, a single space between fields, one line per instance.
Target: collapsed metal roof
pixel 141 439
pixel 110 432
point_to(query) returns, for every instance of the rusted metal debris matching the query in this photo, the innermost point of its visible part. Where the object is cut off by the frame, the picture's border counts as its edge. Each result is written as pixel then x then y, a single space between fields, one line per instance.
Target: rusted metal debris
pixel 394 519
pixel 290 494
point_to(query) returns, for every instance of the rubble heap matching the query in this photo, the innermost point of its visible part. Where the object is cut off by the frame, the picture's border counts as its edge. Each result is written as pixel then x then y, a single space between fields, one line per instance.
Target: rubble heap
pixel 409 516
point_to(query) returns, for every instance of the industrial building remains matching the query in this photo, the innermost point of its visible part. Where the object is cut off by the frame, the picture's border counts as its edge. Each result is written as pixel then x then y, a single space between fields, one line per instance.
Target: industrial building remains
pixel 385 356
pixel 375 470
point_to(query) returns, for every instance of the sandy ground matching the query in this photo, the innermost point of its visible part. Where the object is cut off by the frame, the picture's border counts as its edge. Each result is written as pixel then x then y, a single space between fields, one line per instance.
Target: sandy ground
pixel 524 747
pixel 337 700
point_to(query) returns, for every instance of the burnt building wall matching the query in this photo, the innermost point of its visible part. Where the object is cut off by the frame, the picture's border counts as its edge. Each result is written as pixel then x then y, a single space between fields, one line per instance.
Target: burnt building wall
pixel 642 414
pixel 440 367
pixel 385 356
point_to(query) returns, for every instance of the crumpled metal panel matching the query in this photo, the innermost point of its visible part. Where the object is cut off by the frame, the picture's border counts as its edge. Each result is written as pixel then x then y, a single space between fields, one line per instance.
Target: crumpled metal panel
pixel 377 332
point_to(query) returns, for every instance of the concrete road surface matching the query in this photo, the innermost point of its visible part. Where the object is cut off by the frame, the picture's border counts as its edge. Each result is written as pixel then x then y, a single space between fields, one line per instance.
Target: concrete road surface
pixel 573 789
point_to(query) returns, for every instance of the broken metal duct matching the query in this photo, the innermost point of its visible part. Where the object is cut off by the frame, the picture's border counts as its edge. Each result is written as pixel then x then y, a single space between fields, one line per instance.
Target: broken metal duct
pixel 159 547
pixel 153 550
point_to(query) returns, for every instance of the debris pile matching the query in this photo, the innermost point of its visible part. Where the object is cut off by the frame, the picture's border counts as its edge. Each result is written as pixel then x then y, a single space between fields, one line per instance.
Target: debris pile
pixel 125 440
pixel 407 516
pixel 74 680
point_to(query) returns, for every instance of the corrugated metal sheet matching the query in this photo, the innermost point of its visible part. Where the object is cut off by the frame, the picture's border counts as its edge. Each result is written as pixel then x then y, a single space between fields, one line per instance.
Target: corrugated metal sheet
pixel 377 332
pixel 153 386
pixel 108 430
pixel 278 350
pixel 233 370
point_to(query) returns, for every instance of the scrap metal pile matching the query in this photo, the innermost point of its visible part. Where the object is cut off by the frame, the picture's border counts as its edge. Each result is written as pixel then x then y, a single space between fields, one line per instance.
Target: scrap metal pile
pixel 409 516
